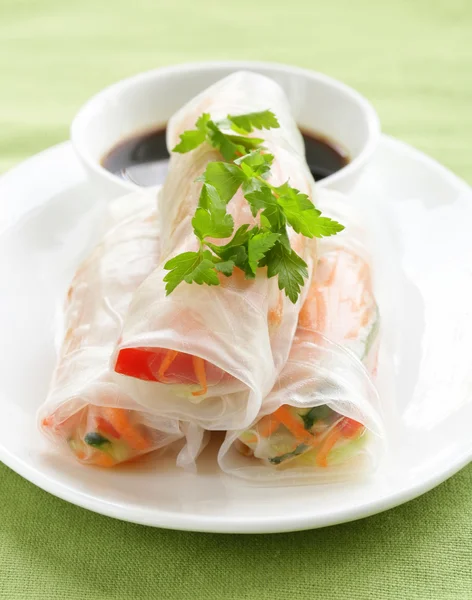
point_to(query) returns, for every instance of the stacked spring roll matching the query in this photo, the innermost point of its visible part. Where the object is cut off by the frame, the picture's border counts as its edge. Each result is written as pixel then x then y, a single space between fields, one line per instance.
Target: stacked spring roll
pixel 289 379
pixel 86 412
pixel 322 419
pixel 205 354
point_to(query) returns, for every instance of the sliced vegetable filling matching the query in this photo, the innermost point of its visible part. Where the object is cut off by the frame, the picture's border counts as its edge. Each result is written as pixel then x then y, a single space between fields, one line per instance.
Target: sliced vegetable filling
pixel 168 366
pixel 291 432
pixel 102 436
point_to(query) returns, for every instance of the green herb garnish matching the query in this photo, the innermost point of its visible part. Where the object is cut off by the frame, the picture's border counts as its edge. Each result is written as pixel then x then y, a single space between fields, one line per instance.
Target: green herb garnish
pixel 300 449
pixel 96 440
pixel 317 413
pixel 246 165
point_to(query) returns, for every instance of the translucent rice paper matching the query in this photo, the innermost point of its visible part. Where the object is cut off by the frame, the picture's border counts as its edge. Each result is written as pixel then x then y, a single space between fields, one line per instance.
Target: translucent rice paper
pixel 322 421
pixel 242 329
pixel 86 411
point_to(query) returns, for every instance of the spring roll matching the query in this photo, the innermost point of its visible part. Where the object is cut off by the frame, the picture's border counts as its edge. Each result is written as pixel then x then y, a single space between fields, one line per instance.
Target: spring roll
pixel 86 412
pixel 322 419
pixel 211 354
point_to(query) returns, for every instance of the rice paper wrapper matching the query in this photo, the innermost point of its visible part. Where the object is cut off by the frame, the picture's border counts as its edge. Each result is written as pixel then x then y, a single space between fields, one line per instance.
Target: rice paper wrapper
pixel 86 411
pixel 241 329
pixel 323 419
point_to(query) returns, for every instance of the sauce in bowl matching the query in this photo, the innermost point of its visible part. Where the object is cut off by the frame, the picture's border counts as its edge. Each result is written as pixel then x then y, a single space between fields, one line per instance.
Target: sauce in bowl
pixel 143 158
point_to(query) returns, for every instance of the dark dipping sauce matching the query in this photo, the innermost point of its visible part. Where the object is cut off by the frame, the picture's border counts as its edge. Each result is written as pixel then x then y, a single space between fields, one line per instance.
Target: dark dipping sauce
pixel 143 158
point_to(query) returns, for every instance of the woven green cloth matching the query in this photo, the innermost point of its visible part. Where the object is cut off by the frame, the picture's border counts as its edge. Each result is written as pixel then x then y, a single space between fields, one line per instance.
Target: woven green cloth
pixel 413 59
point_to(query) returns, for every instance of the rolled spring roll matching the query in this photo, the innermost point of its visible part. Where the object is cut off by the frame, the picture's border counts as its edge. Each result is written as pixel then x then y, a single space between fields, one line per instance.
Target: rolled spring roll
pixel 322 419
pixel 217 351
pixel 86 411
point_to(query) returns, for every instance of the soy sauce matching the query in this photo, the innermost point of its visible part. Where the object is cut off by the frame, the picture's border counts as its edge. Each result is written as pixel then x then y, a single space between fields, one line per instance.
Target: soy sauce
pixel 143 158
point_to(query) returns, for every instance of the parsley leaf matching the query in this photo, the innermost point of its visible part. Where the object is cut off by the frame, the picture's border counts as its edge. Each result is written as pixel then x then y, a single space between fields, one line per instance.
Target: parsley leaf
pixel 303 216
pixel 226 267
pixel 219 140
pixel 246 143
pixel 238 255
pixel 235 249
pixel 190 267
pixel 240 237
pixel 324 227
pixel 189 140
pixel 299 211
pixel 255 163
pixel 246 164
pixel 224 177
pixel 210 199
pixel 256 120
pixel 246 248
pixel 258 245
pixel 212 224
pixel 290 268
pixel 262 198
pixel 202 121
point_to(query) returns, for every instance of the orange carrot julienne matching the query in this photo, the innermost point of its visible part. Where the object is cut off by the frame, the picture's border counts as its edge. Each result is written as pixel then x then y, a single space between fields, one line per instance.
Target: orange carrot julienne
pixel 350 428
pixel 199 368
pixel 169 358
pixel 48 421
pixel 103 460
pixel 321 311
pixel 276 313
pixel 332 275
pixel 118 419
pixel 313 312
pixel 295 427
pixel 251 440
pixel 104 426
pixel 327 445
pixel 267 426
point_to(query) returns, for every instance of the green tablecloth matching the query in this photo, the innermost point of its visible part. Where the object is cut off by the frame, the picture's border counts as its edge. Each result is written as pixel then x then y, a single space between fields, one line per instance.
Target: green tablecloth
pixel 413 59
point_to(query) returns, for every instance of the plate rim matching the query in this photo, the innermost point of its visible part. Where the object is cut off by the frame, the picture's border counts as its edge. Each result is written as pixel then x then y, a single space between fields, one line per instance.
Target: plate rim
pixel 223 524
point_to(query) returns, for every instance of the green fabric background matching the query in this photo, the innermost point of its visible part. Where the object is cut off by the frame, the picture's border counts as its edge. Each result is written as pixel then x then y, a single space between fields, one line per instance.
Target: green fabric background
pixel 413 59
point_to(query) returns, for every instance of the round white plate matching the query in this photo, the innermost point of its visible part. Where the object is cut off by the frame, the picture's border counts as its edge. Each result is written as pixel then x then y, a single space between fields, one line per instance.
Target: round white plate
pixel 420 214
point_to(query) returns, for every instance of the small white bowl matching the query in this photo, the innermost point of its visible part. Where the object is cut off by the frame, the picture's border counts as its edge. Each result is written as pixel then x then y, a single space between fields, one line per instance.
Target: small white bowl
pixel 146 101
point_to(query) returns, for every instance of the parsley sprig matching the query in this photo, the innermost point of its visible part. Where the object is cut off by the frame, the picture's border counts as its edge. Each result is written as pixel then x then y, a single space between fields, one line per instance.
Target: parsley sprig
pixel 246 165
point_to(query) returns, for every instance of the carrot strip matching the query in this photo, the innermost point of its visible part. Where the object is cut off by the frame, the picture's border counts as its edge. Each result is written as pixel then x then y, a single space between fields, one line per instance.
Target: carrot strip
pixel 331 276
pixel 295 427
pixel 103 460
pixel 48 421
pixel 118 419
pixel 329 442
pixel 350 428
pixel 276 313
pixel 314 311
pixel 251 440
pixel 267 426
pixel 169 358
pixel 104 426
pixel 199 368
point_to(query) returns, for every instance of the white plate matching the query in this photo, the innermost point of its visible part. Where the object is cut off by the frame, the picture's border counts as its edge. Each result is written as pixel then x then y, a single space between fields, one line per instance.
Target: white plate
pixel 49 216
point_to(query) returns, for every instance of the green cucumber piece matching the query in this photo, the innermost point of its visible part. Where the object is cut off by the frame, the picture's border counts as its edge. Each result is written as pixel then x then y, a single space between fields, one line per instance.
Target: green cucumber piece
pixel 96 440
pixel 372 335
pixel 347 450
pixel 300 449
